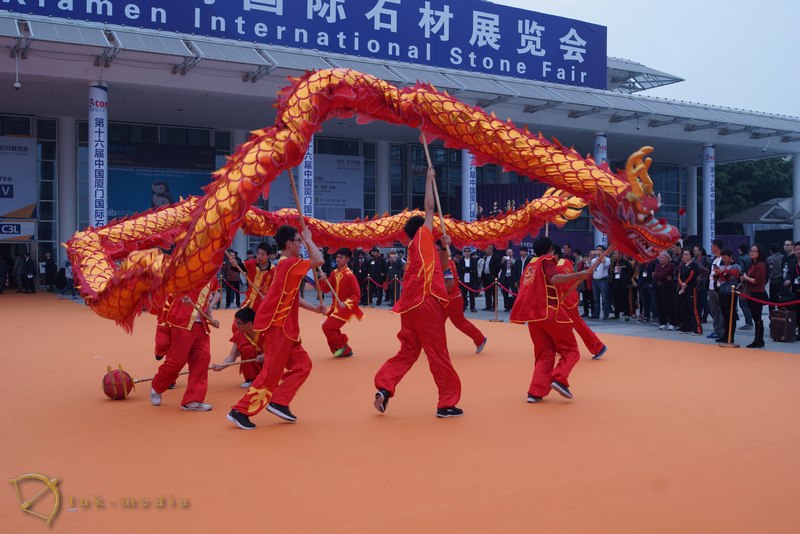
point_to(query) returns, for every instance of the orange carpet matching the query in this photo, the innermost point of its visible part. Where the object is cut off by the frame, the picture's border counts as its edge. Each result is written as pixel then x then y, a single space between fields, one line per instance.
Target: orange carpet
pixel 662 436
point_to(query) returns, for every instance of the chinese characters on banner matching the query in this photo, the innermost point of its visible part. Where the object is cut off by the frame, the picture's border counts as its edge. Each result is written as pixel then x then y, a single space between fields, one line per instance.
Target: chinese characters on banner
pixel 469 35
pixel 98 154
pixel 709 173
pixel 469 186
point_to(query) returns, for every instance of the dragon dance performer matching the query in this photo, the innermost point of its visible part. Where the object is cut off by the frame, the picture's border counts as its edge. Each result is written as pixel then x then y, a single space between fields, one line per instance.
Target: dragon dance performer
pixel 259 272
pixel 183 334
pixel 455 306
pixel 539 304
pixel 422 317
pixel 286 361
pixel 345 284
pixel 570 304
pixel 248 344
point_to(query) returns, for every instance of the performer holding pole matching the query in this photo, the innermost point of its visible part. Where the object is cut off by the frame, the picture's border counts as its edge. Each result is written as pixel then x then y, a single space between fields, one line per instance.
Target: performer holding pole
pixel 286 361
pixel 539 304
pixel 570 304
pixel 455 306
pixel 345 286
pixel 248 344
pixel 422 317
pixel 188 320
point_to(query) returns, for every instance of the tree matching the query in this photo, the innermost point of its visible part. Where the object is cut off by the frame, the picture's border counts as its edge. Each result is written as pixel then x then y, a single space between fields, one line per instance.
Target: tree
pixel 740 186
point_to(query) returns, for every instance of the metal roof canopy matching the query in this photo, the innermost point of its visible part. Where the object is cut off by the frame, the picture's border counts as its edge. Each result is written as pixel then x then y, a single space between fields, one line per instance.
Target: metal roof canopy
pixel 373 69
pixel 151 44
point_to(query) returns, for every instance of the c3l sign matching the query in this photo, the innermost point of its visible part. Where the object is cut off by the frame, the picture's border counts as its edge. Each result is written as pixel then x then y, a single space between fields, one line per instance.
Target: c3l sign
pixel 17 231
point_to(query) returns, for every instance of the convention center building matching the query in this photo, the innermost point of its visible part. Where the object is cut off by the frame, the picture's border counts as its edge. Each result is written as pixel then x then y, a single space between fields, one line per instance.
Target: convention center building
pixel 111 107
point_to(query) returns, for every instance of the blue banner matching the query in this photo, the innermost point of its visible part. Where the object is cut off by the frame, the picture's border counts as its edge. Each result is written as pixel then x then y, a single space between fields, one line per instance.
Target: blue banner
pixel 469 35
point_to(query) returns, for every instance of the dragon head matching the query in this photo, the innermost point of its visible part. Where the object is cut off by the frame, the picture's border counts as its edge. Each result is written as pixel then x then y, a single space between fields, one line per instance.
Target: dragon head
pixel 628 218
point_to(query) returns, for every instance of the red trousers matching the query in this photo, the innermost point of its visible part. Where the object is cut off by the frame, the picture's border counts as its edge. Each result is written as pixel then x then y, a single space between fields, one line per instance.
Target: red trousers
pixel 586 334
pixel 286 363
pixel 190 347
pixel 423 329
pixel 455 312
pixel 549 338
pixel 249 370
pixel 162 340
pixel 332 328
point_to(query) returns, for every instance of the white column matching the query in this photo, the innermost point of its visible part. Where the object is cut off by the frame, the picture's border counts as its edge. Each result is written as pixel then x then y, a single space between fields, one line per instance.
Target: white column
pixel 383 183
pixel 67 183
pixel 796 194
pixel 600 157
pixel 98 154
pixel 709 208
pixel 240 240
pixel 469 187
pixel 691 200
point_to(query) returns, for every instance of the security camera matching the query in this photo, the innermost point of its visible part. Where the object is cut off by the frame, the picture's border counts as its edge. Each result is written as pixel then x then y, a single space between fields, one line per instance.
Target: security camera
pixel 17 85
pixel 764 149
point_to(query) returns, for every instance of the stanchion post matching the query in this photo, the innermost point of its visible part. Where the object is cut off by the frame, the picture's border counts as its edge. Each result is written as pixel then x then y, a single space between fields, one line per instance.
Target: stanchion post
pixel 496 302
pixel 395 288
pixel 728 344
pixel 369 298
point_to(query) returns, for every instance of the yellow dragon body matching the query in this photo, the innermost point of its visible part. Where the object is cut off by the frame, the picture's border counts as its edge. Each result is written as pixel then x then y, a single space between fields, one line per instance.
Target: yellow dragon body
pixel 120 272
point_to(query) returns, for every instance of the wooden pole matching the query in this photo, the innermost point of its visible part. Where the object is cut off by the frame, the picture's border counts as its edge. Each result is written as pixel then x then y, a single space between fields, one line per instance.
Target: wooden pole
pixel 303 227
pixel 435 189
pixel 224 365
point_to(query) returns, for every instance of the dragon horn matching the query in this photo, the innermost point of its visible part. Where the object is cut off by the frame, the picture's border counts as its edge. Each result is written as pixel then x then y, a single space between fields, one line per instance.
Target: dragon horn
pixel 636 171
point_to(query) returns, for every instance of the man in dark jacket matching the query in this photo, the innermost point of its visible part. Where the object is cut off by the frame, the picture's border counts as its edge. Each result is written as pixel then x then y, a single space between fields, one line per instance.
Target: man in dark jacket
pixel 376 268
pixel 30 274
pixel 468 276
pixel 394 277
pixel 489 269
pixel 359 268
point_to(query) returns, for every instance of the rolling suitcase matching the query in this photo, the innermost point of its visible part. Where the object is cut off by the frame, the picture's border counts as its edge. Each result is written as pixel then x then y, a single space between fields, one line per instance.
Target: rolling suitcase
pixel 782 325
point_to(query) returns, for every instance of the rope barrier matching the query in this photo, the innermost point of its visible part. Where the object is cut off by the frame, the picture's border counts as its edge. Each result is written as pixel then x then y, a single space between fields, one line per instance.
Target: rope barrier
pixel 233 288
pixel 767 303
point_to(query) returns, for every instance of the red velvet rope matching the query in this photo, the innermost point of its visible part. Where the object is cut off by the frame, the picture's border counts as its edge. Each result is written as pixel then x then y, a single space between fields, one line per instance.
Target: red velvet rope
pixel 230 286
pixel 778 304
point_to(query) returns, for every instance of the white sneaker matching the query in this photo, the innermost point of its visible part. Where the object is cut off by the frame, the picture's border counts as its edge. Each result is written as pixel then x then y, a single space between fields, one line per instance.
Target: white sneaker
pixel 196 407
pixel 245 385
pixel 155 398
pixel 670 328
pixel 662 327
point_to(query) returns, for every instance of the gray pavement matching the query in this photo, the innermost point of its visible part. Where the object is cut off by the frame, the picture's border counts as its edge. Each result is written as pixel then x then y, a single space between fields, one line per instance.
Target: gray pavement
pixel 649 330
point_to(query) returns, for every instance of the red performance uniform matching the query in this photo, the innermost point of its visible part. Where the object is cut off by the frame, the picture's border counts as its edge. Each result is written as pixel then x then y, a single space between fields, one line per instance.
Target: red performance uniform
pixel 261 281
pixel 455 306
pixel 248 349
pixel 570 303
pixel 345 284
pixel 539 304
pixel 184 332
pixel 286 361
pixel 422 317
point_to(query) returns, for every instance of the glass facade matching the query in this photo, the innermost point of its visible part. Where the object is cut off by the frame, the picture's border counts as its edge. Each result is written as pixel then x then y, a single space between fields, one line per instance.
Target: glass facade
pixel 408 168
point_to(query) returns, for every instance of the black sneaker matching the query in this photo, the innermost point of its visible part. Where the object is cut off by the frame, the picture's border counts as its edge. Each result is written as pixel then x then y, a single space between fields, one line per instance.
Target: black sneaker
pixel 449 412
pixel 381 400
pixel 561 389
pixel 533 398
pixel 241 420
pixel 281 411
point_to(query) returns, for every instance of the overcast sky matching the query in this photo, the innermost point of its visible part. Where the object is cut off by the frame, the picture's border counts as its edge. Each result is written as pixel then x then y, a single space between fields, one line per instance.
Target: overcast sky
pixel 736 53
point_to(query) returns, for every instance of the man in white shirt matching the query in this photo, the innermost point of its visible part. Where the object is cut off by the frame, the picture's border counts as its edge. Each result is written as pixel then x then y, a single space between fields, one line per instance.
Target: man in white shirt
pixel 713 299
pixel 600 285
